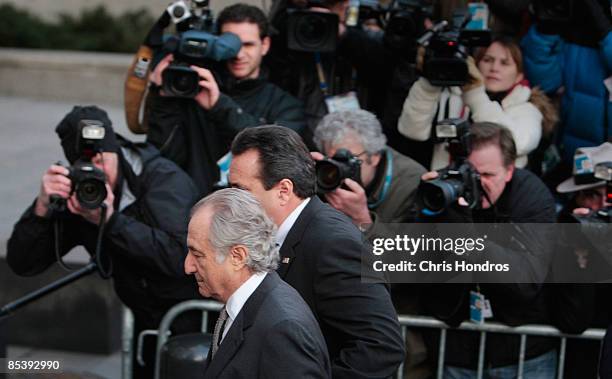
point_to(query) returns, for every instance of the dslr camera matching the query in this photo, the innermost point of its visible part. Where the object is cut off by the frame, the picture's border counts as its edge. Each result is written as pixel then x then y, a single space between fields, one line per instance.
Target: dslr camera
pixel 331 172
pixel 446 50
pixel 460 179
pixel 88 181
pixel 194 45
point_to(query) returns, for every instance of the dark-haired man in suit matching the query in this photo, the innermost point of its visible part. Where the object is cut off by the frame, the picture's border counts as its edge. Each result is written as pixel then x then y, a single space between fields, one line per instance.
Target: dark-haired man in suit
pixel 320 253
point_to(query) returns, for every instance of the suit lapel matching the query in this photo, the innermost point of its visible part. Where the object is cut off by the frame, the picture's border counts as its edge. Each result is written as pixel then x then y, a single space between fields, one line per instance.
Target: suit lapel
pixel 287 251
pixel 235 336
pixel 228 347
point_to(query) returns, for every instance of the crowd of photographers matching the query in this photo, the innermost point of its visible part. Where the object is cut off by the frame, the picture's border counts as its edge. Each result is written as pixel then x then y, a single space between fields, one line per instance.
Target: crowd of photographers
pixel 494 112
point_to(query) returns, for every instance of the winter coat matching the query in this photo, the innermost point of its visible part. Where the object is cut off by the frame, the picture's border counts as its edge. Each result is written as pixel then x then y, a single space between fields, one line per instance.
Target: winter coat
pixel 145 236
pixel 396 203
pixel 586 112
pixel 515 112
pixel 525 200
pixel 196 139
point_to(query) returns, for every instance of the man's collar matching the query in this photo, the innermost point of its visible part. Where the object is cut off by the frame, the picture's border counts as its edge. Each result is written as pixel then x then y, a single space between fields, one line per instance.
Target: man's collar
pixel 286 225
pixel 237 300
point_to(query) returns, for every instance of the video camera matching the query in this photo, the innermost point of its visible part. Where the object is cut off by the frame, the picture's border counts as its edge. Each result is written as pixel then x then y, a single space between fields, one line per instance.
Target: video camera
pixel 404 24
pixel 559 12
pixel 194 45
pixel 88 181
pixel 312 31
pixel 447 49
pixel 460 179
pixel 331 172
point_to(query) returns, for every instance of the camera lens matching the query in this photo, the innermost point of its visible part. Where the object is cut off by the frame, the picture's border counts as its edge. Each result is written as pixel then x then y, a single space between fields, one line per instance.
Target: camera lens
pixel 184 83
pixel 328 176
pixel 91 192
pixel 312 31
pixel 439 194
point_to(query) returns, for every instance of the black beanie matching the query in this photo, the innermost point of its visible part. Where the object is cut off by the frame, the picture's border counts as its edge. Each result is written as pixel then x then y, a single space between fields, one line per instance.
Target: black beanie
pixel 68 130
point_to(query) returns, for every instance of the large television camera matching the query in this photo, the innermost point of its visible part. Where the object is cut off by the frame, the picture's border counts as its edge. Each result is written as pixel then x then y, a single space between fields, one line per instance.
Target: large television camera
pixel 559 12
pixel 405 22
pixel 447 49
pixel 331 172
pixel 194 44
pixel 460 179
pixel 312 31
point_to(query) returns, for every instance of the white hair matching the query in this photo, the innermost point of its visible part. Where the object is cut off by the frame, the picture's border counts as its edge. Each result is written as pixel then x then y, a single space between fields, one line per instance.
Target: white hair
pixel 335 127
pixel 239 219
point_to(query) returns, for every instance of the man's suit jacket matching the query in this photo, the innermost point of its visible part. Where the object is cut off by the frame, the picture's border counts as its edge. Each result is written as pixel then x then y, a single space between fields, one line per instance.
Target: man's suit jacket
pixel 275 335
pixel 321 259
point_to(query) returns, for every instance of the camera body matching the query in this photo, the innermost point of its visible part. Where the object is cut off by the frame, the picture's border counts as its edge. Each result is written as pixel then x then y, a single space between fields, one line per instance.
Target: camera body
pixel 460 179
pixel 331 172
pixel 447 48
pixel 88 181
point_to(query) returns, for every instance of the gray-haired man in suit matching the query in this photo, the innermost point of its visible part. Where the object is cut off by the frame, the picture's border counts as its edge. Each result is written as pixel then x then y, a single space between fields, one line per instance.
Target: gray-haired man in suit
pixel 265 329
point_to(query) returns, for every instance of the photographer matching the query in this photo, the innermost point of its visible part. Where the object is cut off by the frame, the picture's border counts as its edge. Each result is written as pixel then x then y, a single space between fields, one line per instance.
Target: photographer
pixel 147 205
pixel 585 255
pixel 196 133
pixel 386 189
pixel 352 76
pixel 572 58
pixel 496 92
pixel 512 196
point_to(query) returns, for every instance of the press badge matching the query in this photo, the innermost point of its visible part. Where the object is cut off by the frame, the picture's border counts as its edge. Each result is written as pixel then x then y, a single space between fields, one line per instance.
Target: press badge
pixel 344 102
pixel 477 304
pixel 480 307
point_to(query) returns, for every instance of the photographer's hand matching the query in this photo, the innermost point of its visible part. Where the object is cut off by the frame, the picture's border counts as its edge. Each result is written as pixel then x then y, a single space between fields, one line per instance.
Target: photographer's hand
pixel 156 74
pixel 93 215
pixel 209 95
pixel 54 182
pixel 475 76
pixel 352 202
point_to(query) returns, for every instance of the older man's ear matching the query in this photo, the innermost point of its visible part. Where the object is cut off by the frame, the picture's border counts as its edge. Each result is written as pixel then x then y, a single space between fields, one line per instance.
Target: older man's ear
pixel 238 255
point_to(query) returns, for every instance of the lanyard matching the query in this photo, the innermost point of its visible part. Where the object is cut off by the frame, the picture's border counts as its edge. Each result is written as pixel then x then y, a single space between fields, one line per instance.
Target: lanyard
pixel 388 175
pixel 321 74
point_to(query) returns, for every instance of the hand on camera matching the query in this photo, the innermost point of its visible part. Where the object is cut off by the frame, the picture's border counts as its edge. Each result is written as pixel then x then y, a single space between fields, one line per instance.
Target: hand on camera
pixel 431 175
pixel 156 74
pixel 351 201
pixel 209 94
pixel 475 78
pixel 93 215
pixel 54 182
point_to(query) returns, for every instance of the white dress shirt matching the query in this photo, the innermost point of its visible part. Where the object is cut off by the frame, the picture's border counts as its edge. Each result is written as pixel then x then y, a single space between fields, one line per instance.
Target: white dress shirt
pixel 239 298
pixel 286 226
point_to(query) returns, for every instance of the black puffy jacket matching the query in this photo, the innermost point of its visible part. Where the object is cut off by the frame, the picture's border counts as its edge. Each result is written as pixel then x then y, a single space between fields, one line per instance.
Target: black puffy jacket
pixel 146 238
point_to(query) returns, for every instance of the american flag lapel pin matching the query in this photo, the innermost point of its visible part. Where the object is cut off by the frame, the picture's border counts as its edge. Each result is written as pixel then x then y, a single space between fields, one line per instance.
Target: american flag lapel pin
pixel 286 260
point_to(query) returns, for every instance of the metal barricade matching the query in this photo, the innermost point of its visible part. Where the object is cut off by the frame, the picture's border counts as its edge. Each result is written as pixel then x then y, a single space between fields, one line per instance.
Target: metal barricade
pixel 493 327
pixel 405 321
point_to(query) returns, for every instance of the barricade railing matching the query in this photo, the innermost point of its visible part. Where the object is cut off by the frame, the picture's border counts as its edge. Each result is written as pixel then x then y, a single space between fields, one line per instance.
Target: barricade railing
pixel 524 331
pixel 494 327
